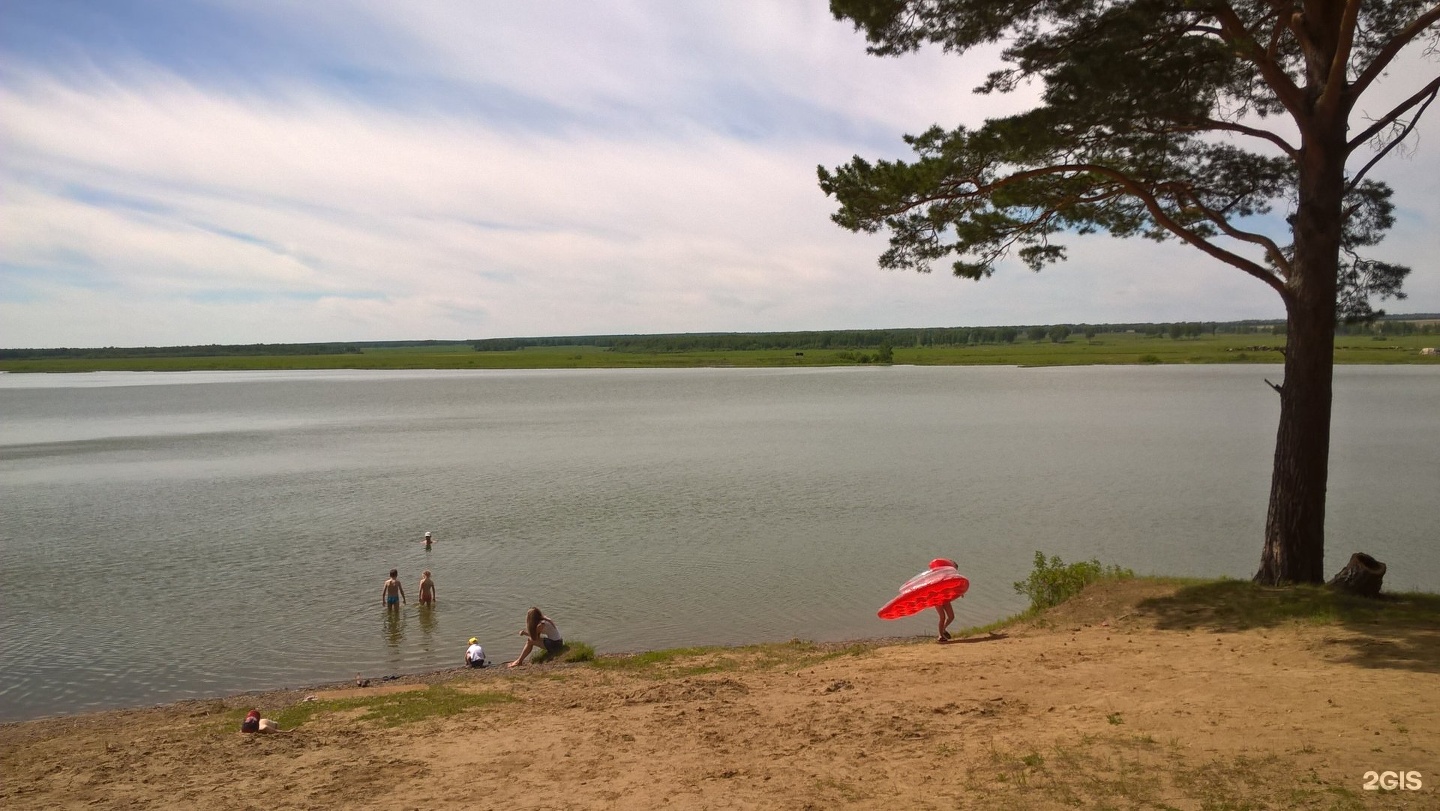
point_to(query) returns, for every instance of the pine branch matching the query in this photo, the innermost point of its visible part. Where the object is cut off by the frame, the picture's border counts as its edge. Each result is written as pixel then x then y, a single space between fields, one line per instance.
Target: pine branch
pixel 1279 81
pixel 1335 80
pixel 1410 126
pixel 1158 212
pixel 1390 50
pixel 1399 110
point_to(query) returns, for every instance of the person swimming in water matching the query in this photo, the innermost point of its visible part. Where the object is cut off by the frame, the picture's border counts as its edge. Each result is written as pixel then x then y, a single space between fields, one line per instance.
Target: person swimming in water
pixel 392 593
pixel 428 540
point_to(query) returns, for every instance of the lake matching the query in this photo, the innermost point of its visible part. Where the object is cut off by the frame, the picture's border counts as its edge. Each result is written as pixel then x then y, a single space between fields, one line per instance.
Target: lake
pixel 181 535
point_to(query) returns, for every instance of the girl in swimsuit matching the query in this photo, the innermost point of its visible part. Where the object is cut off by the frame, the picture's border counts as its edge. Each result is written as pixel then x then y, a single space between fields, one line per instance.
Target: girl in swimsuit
pixel 539 630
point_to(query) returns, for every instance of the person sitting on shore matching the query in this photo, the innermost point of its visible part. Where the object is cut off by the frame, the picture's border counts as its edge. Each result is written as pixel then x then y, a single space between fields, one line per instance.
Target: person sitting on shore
pixel 539 630
pixel 474 655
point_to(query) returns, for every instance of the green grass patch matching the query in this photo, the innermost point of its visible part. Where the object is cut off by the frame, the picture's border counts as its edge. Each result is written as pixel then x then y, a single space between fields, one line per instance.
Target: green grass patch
pixel 572 652
pixel 578 652
pixel 1112 772
pixel 1393 631
pixel 1238 605
pixel 695 661
pixel 654 658
pixel 389 709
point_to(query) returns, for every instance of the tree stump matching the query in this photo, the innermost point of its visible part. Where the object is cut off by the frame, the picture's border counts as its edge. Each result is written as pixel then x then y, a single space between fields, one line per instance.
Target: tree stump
pixel 1362 576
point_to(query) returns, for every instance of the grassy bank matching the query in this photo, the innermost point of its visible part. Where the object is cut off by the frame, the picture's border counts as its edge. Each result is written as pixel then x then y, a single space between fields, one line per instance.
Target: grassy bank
pixel 1107 348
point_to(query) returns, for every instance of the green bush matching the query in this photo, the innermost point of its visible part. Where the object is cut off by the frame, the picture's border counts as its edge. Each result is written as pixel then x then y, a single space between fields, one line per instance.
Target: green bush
pixel 1053 581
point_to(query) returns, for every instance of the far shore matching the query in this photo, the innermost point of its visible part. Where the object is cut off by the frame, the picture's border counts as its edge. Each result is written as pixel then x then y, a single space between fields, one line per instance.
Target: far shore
pixel 1144 693
pixel 1075 350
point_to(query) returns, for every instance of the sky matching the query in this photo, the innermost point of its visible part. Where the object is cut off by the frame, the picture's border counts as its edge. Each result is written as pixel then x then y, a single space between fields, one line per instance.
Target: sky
pixel 259 171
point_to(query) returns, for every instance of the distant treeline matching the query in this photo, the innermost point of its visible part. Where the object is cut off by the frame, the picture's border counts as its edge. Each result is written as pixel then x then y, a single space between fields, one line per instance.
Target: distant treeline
pixel 733 341
pixel 1391 326
pixel 830 339
pixel 927 336
pixel 1409 324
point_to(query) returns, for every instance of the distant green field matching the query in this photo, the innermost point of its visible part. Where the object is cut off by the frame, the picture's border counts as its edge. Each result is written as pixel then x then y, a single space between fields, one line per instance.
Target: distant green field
pixel 1108 348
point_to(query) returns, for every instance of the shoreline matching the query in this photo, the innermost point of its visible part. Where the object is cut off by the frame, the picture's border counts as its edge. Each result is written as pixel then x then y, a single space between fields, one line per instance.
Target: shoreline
pixel 1137 693
pixel 289 695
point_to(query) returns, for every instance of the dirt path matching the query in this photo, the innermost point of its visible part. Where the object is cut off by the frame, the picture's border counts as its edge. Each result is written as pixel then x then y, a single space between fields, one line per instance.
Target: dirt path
pixel 1114 701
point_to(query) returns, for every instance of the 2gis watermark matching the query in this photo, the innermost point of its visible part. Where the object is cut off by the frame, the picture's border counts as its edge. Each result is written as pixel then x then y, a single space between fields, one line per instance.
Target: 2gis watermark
pixel 1392 781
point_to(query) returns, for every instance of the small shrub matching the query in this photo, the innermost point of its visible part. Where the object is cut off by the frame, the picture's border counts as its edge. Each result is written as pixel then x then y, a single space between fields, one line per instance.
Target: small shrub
pixel 1149 358
pixel 1053 581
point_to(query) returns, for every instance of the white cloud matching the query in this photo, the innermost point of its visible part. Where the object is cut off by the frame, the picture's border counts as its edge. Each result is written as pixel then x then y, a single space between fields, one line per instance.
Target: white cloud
pixel 143 207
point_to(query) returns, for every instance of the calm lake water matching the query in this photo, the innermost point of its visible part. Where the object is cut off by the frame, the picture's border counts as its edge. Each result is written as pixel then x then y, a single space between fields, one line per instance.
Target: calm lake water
pixel 182 535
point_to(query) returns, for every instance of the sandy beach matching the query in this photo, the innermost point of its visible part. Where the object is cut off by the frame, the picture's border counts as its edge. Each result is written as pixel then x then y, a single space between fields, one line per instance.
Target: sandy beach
pixel 1137 694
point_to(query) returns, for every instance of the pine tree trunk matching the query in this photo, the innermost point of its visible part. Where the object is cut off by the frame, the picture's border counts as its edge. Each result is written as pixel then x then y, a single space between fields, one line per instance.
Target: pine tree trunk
pixel 1295 526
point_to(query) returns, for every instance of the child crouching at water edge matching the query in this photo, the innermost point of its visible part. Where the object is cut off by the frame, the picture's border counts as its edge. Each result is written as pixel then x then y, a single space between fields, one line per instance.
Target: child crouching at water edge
pixel 539 630
pixel 475 654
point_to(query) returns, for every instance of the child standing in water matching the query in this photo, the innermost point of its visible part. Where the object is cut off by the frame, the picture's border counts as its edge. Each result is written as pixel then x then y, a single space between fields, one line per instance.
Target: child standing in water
pixel 427 589
pixel 392 593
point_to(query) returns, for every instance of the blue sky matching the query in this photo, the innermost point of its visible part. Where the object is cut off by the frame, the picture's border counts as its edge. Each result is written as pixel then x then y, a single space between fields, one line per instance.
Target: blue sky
pixel 239 171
